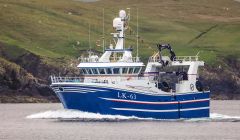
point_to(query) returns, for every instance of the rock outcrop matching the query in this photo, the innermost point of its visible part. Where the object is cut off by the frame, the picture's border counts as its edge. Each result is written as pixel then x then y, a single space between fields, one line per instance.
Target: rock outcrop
pixel 25 77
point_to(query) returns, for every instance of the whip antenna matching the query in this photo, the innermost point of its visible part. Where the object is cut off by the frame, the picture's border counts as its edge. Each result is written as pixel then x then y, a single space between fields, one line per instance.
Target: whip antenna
pixel 137 32
pixel 103 39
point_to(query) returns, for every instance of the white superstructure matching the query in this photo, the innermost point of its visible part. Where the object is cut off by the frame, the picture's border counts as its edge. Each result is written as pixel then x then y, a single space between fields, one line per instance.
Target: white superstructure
pixel 117 61
pixel 115 83
pixel 118 68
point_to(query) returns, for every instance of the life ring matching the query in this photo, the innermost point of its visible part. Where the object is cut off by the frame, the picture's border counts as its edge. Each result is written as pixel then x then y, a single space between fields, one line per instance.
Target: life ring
pixel 192 87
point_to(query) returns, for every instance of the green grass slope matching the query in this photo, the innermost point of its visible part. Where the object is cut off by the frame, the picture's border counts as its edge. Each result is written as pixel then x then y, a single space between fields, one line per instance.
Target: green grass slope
pixel 59 28
pixel 45 37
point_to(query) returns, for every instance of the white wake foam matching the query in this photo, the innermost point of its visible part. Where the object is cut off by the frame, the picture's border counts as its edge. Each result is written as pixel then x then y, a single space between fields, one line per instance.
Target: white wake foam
pixel 64 114
pixel 217 116
pixel 74 115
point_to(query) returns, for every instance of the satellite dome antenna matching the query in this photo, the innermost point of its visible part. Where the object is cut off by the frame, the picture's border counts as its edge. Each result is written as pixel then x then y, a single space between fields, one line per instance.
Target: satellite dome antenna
pixel 120 25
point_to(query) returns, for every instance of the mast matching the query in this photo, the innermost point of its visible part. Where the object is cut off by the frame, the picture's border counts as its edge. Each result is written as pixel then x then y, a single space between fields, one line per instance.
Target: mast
pixel 137 33
pixel 103 39
pixel 89 38
pixel 119 23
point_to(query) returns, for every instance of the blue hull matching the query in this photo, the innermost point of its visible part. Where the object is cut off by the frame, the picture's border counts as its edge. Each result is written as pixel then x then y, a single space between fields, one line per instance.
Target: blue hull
pixel 129 103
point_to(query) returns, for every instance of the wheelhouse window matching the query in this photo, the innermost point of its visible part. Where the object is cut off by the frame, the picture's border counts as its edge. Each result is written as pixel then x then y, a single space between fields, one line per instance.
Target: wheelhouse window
pixel 116 70
pixel 101 71
pixel 136 70
pixel 83 71
pixel 124 70
pixel 130 71
pixel 95 71
pixel 89 71
pixel 109 71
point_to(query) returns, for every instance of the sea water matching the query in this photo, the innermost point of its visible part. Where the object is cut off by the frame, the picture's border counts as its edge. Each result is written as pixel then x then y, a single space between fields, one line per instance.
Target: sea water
pixel 51 121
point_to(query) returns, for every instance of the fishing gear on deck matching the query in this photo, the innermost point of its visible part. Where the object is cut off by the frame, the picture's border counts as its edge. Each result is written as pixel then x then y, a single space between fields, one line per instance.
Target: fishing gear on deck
pixel 172 53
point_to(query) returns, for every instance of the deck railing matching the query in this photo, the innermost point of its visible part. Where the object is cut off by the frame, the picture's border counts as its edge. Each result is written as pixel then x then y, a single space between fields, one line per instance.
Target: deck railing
pixel 177 58
pixel 186 58
pixel 59 79
pixel 152 59
pixel 111 59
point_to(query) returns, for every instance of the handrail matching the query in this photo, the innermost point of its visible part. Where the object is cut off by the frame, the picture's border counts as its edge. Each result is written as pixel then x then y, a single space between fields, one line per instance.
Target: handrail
pixel 55 79
pixel 177 58
pixel 186 58
pixel 111 59
pixel 60 79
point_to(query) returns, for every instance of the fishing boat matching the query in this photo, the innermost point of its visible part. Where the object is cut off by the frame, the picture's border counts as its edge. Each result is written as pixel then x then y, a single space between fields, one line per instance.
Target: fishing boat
pixel 116 83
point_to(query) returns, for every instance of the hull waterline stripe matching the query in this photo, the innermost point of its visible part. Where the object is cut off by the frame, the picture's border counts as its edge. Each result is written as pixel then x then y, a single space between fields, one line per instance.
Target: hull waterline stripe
pixel 145 102
pixel 191 109
pixel 137 102
pixel 148 110
pixel 144 110
pixel 199 100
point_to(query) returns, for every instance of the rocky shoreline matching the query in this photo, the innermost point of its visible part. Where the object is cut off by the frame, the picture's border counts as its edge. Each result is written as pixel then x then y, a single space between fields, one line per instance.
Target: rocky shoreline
pixel 25 78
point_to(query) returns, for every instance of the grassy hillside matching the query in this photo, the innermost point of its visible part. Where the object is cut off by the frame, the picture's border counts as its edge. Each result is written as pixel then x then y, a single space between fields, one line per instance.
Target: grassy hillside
pixel 45 37
pixel 52 28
